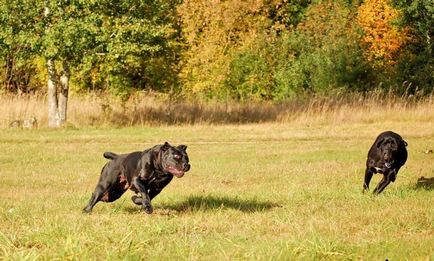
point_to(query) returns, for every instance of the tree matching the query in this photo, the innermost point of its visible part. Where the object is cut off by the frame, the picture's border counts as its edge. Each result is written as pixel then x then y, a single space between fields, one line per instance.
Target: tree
pixel 383 38
pixel 17 44
pixel 129 42
pixel 213 30
pixel 227 45
pixel 327 45
pixel 415 66
pixel 137 44
pixel 53 38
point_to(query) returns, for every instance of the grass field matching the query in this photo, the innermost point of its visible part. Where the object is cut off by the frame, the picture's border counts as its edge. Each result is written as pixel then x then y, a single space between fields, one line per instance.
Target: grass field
pixel 255 192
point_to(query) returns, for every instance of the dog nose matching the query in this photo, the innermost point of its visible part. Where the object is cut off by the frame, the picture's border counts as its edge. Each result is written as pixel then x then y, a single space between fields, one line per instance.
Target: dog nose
pixel 186 166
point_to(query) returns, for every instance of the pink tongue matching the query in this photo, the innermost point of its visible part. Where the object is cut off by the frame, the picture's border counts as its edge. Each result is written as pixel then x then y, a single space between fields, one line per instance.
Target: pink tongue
pixel 175 172
pixel 180 174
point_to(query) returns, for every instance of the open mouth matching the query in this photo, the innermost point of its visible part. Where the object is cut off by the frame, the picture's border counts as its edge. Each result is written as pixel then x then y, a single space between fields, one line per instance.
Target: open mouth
pixel 176 172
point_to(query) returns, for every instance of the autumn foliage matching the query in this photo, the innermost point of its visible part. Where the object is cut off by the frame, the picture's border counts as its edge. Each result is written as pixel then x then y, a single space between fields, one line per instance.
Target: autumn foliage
pixel 219 50
pixel 382 36
pixel 213 31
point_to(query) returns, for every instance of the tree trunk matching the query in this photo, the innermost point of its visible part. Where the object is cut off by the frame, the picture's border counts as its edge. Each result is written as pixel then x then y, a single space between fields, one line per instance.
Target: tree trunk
pixel 63 95
pixel 53 113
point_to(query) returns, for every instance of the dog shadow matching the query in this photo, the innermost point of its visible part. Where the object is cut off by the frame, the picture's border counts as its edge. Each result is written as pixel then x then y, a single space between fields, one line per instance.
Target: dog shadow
pixel 425 183
pixel 198 203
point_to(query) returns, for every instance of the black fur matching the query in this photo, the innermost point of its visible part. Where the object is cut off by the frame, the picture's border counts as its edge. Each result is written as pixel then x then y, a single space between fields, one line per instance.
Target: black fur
pixel 145 172
pixel 386 156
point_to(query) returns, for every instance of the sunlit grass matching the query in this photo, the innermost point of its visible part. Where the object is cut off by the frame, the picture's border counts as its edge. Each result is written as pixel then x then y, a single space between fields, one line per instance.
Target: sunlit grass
pixel 144 109
pixel 258 191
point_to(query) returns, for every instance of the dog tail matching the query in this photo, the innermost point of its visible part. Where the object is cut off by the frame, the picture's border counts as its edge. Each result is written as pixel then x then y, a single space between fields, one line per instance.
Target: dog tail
pixel 110 155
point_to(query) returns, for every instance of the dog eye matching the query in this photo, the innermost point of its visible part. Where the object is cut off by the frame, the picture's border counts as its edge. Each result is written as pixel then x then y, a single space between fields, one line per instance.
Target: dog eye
pixel 176 156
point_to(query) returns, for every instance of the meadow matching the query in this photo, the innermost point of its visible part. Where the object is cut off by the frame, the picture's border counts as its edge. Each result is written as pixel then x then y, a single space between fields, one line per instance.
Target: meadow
pixel 288 190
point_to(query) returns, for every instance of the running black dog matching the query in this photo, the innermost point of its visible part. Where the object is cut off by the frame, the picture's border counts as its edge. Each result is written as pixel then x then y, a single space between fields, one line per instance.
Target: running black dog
pixel 386 156
pixel 144 172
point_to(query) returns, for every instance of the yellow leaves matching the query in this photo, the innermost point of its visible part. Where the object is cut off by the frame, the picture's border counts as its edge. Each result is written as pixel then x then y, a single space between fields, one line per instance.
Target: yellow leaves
pixel 383 39
pixel 214 30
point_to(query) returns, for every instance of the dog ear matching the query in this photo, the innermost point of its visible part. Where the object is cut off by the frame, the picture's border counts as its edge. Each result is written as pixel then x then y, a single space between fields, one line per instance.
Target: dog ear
pixel 380 142
pixel 183 147
pixel 165 146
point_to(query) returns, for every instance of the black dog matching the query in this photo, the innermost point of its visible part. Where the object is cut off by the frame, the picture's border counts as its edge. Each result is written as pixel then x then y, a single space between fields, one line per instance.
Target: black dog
pixel 144 172
pixel 386 156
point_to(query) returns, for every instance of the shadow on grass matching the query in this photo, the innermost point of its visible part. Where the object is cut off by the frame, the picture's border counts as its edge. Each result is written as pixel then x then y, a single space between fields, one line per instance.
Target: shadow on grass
pixel 425 183
pixel 210 202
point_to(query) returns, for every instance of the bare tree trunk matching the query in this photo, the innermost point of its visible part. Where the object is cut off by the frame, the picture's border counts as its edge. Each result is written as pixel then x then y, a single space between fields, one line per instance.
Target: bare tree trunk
pixel 57 106
pixel 63 95
pixel 53 113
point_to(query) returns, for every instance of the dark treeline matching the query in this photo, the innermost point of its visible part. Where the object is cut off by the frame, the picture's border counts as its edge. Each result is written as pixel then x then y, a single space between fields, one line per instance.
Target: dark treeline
pixel 211 49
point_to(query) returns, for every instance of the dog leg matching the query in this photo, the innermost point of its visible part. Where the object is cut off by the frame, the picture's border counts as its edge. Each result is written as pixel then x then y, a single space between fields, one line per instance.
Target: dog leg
pixel 153 192
pixel 387 178
pixel 146 201
pixel 90 204
pixel 157 186
pixel 382 185
pixel 95 198
pixel 108 189
pixel 368 177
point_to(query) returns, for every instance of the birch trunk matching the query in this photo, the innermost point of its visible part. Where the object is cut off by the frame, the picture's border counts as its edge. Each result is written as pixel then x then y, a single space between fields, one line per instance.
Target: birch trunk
pixel 53 113
pixel 63 95
pixel 57 105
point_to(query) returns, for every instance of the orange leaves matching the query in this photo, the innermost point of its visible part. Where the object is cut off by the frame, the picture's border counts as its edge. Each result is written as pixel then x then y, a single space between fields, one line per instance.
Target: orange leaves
pixel 383 38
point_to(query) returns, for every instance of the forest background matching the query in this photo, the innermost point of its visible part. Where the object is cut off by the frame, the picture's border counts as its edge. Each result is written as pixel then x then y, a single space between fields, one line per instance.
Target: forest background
pixel 240 51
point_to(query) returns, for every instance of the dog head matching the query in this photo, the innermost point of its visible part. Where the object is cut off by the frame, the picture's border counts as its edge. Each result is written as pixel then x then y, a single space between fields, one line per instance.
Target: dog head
pixel 389 149
pixel 174 160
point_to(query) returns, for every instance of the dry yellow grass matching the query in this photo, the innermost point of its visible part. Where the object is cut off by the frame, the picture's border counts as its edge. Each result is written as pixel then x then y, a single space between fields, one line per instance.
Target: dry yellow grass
pixel 143 110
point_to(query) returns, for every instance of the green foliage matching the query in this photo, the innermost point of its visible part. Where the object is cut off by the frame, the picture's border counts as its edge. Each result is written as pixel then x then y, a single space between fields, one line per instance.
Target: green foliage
pixel 17 44
pixel 232 51
pixel 285 14
pixel 215 32
pixel 419 14
pixel 122 45
pixel 416 65
pixel 327 48
pixel 101 40
pixel 249 77
pixel 320 55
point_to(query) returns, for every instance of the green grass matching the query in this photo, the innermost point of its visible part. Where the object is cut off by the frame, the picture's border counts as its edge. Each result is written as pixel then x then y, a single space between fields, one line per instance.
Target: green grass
pixel 254 192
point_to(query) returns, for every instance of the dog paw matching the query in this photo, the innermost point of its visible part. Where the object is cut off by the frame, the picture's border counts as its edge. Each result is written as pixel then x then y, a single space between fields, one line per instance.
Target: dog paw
pixel 137 200
pixel 148 208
